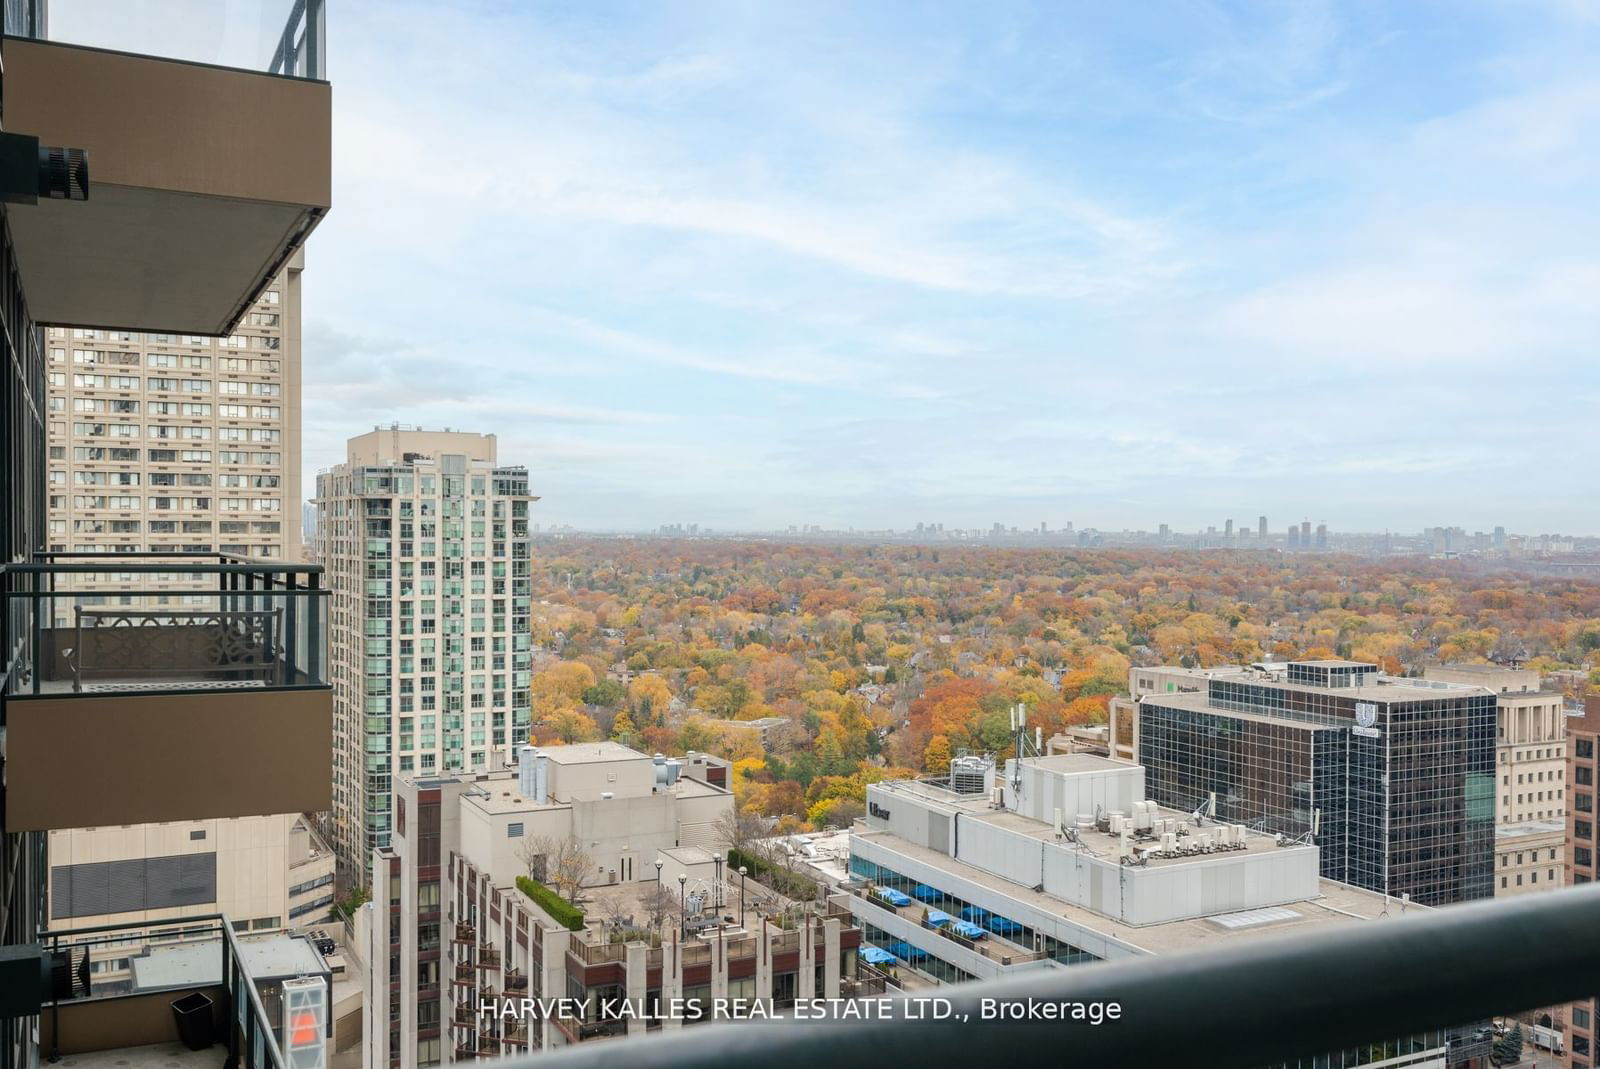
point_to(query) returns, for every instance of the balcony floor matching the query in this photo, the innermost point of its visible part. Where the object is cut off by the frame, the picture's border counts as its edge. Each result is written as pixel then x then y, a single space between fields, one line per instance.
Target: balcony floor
pixel 155 1056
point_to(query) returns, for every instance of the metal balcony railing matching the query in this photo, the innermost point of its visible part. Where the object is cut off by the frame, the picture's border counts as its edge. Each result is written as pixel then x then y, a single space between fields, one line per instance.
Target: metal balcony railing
pixel 94 623
pixel 1263 1002
pixel 213 962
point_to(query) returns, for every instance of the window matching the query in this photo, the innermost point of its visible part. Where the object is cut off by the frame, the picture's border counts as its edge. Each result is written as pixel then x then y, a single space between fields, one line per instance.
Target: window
pixel 514 831
pixel 197 835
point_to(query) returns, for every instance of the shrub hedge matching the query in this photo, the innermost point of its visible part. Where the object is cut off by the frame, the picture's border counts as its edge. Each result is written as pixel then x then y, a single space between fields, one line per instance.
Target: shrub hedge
pixel 565 913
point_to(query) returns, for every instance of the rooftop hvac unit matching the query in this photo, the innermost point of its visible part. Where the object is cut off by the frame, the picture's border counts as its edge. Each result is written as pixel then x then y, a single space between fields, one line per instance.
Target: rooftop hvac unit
pixel 1143 816
pixel 1169 843
pixel 967 775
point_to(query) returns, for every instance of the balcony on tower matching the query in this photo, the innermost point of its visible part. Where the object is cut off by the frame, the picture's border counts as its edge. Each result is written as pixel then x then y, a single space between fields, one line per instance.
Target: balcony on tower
pixel 164 687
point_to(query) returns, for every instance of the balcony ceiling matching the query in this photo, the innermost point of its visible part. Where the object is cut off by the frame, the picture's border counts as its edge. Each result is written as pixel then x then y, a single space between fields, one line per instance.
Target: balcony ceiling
pixel 203 181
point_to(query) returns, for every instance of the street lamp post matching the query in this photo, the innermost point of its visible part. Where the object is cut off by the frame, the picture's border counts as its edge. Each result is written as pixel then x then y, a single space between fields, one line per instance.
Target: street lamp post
pixel 742 871
pixel 683 905
pixel 658 909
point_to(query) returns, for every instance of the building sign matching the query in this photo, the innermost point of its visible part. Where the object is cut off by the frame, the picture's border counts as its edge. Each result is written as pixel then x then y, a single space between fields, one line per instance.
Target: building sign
pixel 305 1023
pixel 1366 720
pixel 876 810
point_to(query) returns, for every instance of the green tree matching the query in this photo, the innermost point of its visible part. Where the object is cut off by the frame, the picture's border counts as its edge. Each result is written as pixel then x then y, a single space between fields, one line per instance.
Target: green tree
pixel 608 693
pixel 345 908
pixel 1508 1048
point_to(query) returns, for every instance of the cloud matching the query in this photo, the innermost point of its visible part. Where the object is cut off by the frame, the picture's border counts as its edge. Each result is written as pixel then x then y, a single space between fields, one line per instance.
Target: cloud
pixel 767 265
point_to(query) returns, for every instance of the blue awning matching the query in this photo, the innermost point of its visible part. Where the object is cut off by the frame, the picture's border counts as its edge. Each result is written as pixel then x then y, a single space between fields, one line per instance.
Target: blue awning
pixel 875 955
pixel 893 897
pixel 906 952
pixel 939 918
pixel 971 931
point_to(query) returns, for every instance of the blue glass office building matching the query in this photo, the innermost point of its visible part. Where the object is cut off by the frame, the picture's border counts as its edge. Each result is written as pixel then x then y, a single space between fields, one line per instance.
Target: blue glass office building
pixel 1396 776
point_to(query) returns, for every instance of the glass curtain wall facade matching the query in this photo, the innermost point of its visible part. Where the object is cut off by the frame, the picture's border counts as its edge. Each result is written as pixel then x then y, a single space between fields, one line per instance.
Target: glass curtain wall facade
pixel 1401 790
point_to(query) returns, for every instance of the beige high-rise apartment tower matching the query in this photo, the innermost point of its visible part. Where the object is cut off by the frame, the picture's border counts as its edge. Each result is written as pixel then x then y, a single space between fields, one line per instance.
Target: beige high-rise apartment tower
pixel 179 442
pixel 424 538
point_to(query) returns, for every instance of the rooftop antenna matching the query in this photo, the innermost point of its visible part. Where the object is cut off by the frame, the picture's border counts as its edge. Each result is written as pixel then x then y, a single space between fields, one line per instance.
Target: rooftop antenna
pixel 1019 731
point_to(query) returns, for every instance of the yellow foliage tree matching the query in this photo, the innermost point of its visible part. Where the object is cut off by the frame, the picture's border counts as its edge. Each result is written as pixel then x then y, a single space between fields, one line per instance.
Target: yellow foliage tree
pixel 564 679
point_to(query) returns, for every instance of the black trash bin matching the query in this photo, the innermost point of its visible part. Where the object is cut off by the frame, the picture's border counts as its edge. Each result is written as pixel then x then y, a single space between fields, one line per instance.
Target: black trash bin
pixel 192 1014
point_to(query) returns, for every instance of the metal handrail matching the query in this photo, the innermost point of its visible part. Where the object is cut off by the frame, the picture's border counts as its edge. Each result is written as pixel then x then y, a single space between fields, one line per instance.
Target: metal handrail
pixel 257 1028
pixel 1265 1001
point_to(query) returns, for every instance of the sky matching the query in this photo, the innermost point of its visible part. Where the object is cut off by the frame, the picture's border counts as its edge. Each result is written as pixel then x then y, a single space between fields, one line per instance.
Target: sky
pixel 867 264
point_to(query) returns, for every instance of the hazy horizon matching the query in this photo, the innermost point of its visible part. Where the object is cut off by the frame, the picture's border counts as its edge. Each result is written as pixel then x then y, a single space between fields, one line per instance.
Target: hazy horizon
pixel 868 265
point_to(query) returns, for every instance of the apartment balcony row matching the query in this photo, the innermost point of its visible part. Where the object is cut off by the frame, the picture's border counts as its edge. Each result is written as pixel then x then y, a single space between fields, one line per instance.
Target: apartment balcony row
pixel 134 702
pixel 263 1001
pixel 206 172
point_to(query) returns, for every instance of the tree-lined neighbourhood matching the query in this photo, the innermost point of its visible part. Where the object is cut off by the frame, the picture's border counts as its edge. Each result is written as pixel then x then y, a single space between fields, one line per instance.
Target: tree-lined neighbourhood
pixel 820 668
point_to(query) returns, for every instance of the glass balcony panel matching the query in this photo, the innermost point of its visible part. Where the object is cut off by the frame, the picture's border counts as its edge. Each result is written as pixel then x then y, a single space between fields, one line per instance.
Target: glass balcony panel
pixel 284 37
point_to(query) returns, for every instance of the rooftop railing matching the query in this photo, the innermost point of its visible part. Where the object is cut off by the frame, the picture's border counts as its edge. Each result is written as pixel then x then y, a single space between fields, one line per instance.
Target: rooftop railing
pixel 94 623
pixel 1263 1002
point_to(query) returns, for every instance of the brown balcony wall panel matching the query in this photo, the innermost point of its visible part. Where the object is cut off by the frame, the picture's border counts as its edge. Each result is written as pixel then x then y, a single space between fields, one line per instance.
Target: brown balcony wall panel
pixel 202 180
pixel 116 1023
pixel 93 761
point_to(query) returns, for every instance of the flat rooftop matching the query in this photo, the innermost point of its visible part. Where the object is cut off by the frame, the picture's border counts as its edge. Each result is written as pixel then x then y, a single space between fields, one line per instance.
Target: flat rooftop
pixel 1334 662
pixel 504 794
pixel 1075 762
pixel 1336 903
pixel 1529 831
pixel 1376 687
pixel 1101 845
pixel 197 963
pixel 590 753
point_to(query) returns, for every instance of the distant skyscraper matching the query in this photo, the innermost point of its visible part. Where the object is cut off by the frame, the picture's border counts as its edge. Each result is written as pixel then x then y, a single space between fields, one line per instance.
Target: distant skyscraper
pixel 1305 534
pixel 1322 536
pixel 1261 528
pixel 1166 532
pixel 1227 531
